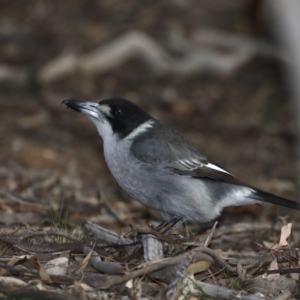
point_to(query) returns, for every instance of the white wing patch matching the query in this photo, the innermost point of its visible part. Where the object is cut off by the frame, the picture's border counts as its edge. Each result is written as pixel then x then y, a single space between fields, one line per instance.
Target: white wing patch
pixel 190 164
pixel 193 164
pixel 212 166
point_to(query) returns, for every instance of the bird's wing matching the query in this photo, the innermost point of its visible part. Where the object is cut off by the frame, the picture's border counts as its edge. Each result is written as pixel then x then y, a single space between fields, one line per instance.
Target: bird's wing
pixel 167 147
pixel 197 169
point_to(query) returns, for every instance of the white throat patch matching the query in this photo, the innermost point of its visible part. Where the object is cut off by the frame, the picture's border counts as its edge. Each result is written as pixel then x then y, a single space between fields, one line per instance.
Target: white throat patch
pixel 104 128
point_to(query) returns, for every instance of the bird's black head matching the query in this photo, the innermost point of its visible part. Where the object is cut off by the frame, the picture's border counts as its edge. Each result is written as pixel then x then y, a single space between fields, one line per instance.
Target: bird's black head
pixel 112 116
pixel 124 116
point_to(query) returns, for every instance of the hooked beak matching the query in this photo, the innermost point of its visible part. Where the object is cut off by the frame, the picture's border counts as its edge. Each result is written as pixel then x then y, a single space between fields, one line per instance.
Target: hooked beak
pixel 87 108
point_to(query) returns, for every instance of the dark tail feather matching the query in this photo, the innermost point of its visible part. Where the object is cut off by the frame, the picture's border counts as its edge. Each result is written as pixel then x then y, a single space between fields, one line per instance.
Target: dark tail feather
pixel 270 198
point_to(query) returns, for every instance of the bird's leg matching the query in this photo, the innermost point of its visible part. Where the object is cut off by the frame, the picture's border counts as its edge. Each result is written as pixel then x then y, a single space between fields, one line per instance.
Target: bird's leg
pixel 167 226
pixel 160 226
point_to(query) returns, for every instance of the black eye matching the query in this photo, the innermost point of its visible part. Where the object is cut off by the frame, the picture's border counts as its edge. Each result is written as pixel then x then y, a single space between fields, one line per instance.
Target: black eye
pixel 116 112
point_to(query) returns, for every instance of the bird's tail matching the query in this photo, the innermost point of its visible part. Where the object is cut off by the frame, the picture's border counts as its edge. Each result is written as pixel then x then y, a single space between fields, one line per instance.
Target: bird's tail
pixel 273 199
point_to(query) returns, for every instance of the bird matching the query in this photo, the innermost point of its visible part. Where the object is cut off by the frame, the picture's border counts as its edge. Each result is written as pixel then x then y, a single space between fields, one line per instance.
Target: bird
pixel 157 166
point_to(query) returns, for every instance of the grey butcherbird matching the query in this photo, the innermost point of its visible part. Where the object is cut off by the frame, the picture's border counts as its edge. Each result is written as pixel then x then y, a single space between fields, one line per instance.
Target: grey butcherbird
pixel 154 164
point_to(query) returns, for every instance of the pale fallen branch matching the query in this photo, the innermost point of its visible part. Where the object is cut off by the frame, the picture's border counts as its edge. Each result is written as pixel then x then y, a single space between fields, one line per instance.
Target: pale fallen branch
pixel 286 295
pixel 256 261
pixel 193 287
pixel 104 235
pixel 14 75
pixel 274 286
pixel 220 38
pixel 107 57
pixel 134 44
pixel 190 286
pixel 209 237
pixel 106 267
pixel 153 248
pixel 249 227
pixel 34 293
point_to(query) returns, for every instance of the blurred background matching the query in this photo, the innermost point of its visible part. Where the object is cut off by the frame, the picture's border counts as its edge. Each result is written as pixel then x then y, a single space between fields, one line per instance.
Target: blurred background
pixel 215 70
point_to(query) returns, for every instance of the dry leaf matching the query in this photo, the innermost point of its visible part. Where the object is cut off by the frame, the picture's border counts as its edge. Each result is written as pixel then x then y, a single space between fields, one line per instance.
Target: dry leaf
pixel 43 273
pixel 57 266
pixel 12 262
pixel 134 288
pixel 198 267
pixel 11 281
pixel 80 286
pixel 85 262
pixel 285 233
pixel 273 266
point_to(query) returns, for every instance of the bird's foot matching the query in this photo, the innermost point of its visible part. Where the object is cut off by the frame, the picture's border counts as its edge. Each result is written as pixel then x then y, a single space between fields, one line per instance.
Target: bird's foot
pixel 168 226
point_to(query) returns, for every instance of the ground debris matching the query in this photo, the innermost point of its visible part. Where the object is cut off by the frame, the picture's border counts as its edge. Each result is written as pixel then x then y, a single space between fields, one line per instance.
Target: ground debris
pixel 108 266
